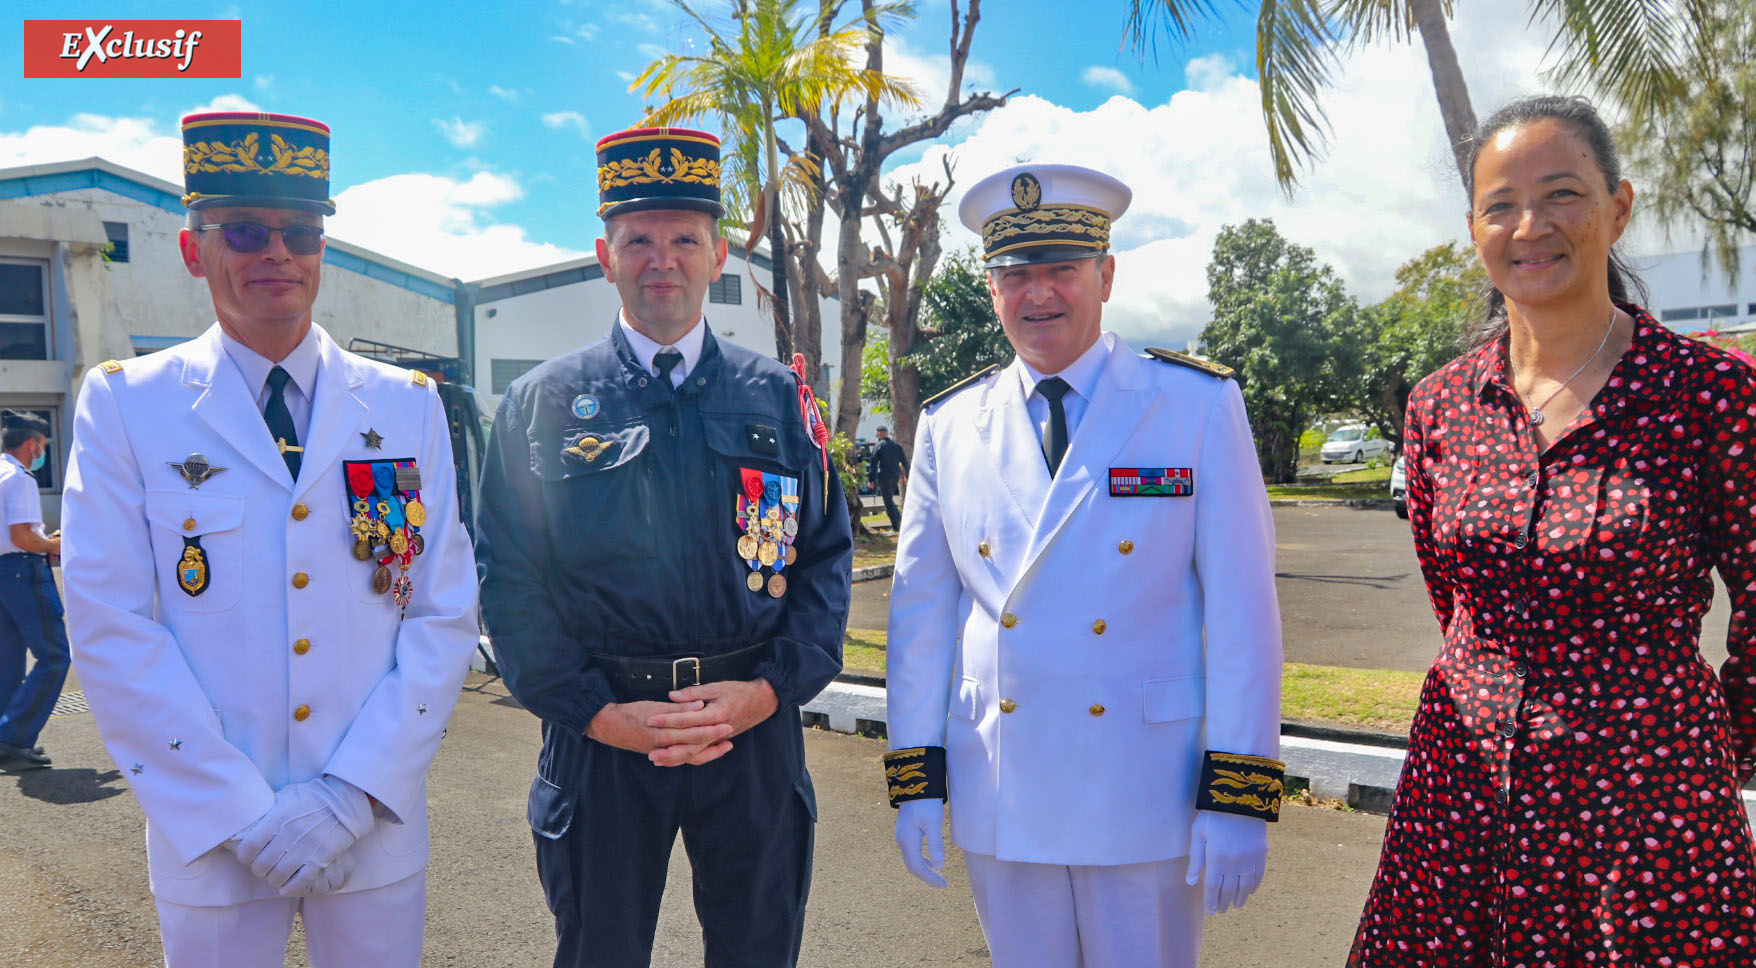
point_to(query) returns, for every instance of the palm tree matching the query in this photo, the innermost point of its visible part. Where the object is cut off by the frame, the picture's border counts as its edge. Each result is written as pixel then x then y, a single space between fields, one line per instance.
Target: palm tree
pixel 772 62
pixel 1634 50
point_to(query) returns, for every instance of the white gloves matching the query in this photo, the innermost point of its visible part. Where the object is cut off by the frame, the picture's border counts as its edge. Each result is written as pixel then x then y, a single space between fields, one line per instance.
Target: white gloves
pixel 915 820
pixel 300 846
pixel 1233 852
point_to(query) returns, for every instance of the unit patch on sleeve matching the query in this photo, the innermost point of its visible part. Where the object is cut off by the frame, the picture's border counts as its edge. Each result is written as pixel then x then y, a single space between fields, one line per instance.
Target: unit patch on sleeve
pixel 1152 482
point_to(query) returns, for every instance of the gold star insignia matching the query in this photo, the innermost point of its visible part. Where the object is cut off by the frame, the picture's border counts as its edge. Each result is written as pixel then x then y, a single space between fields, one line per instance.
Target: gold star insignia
pixel 374 439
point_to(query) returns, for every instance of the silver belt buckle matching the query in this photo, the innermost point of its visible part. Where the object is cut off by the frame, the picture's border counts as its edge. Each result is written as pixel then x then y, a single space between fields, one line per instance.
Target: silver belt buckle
pixel 675 684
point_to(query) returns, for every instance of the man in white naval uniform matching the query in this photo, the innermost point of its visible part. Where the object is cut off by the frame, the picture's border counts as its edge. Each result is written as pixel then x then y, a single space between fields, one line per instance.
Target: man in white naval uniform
pixel 271 597
pixel 1084 640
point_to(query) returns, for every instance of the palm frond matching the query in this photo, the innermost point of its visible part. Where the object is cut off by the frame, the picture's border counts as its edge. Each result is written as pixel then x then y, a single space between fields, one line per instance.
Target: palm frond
pixel 1178 18
pixel 1636 51
pixel 1294 60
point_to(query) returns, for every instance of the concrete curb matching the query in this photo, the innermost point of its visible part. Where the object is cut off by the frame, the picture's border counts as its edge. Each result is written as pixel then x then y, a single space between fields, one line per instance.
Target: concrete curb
pixel 1358 767
pixel 1352 502
pixel 873 572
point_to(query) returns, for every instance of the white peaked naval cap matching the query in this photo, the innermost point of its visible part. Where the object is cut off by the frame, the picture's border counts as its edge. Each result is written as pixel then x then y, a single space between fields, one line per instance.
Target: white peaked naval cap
pixel 1043 213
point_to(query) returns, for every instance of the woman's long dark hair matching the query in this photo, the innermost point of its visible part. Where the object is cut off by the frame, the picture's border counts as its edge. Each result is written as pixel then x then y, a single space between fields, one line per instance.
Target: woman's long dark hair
pixel 1577 112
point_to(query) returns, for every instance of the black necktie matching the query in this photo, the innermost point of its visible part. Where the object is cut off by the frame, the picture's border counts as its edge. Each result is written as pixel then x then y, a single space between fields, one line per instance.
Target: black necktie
pixel 1055 442
pixel 280 420
pixel 666 361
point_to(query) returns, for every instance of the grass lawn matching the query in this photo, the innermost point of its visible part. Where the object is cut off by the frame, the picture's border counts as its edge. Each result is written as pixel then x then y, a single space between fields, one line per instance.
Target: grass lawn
pixel 874 549
pixel 1376 699
pixel 1375 491
pixel 1368 475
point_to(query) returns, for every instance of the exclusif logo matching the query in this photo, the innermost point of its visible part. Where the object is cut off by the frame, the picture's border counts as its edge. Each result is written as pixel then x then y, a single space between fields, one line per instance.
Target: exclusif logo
pixel 133 48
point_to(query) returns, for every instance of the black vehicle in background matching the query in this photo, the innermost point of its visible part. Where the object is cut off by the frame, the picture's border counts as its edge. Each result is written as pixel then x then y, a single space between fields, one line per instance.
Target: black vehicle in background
pixel 863 454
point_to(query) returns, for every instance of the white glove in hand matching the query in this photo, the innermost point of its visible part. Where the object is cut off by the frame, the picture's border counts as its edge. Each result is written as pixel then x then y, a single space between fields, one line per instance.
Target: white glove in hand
pixel 1232 851
pixel 308 830
pixel 917 820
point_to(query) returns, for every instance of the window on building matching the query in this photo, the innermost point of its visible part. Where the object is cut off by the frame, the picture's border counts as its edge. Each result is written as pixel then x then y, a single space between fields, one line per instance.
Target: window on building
pixel 503 372
pixel 24 310
pixel 118 233
pixel 49 474
pixel 726 289
pixel 1701 312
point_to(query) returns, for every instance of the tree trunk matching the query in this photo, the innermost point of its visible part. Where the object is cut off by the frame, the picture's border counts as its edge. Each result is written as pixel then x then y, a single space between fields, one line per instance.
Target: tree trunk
pixel 855 312
pixel 905 315
pixel 1453 93
pixel 777 249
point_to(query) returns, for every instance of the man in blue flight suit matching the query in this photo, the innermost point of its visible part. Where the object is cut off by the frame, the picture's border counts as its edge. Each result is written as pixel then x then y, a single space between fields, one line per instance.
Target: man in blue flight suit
pixel 665 560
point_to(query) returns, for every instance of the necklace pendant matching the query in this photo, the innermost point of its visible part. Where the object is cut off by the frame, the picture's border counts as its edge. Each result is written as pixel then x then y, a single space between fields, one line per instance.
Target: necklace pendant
pixel 1536 418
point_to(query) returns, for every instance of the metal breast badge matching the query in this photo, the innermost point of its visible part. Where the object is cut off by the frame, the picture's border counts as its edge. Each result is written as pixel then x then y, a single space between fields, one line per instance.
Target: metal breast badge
pixel 195 469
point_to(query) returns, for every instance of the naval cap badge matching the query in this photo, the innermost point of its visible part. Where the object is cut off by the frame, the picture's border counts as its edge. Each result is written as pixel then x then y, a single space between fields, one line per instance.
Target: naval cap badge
pixel 1027 192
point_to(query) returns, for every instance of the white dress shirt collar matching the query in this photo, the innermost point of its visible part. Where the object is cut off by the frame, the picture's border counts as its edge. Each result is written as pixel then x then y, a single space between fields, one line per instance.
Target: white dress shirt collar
pixel 300 364
pixel 645 348
pixel 1082 374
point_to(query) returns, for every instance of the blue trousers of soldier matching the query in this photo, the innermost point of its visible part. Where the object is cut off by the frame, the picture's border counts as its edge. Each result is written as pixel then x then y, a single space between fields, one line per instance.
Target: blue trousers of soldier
pixel 30 621
pixel 605 820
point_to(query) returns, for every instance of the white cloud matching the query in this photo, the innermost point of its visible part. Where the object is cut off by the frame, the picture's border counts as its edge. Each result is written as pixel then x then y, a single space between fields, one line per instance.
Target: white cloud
pixel 567 119
pixel 461 133
pixel 442 224
pixel 1099 76
pixel 1384 191
pixel 431 221
pixel 931 73
pixel 629 18
pixel 141 143
pixel 502 93
pixel 562 40
pixel 264 81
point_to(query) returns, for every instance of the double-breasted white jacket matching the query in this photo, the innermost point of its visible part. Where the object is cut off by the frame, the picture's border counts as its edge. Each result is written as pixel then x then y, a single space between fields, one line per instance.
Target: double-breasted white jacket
pixel 1075 652
pixel 288 664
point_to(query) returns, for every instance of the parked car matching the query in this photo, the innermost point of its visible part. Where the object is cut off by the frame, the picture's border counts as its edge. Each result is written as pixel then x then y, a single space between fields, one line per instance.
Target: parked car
pixel 1399 488
pixel 1350 444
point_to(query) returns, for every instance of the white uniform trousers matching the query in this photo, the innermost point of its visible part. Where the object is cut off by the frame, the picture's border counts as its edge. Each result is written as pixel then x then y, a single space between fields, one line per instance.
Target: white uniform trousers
pixel 379 928
pixel 1120 916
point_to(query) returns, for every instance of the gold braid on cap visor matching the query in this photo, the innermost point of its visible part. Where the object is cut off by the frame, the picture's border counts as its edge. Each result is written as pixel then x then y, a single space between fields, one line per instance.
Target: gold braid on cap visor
pixel 1057 225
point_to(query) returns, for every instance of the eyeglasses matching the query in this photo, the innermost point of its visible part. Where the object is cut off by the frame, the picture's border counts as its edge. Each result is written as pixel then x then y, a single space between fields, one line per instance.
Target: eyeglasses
pixel 249 237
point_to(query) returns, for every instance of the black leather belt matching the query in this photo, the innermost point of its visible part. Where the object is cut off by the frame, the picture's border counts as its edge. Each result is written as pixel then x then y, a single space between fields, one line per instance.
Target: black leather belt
pixel 653 677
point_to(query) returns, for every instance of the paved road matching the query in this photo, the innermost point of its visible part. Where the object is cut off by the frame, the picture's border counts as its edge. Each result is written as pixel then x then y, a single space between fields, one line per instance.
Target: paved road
pixel 73 891
pixel 1350 592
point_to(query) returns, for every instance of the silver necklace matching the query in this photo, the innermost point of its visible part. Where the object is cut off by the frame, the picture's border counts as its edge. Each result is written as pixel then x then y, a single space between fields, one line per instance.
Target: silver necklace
pixel 1536 412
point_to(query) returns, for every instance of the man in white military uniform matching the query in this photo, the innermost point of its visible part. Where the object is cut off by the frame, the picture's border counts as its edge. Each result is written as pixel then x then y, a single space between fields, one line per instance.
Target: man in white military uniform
pixel 1084 641
pixel 272 599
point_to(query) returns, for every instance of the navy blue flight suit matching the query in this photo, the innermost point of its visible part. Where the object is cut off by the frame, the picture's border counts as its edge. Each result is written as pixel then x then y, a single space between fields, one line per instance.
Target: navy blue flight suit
pixel 633 553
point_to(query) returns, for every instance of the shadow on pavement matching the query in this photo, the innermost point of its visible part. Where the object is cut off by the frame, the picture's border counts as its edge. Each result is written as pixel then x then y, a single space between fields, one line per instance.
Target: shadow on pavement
pixel 65 787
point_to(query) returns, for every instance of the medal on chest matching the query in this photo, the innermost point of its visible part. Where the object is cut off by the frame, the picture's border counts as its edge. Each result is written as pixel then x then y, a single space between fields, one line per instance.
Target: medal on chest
pixel 767 522
pixel 385 515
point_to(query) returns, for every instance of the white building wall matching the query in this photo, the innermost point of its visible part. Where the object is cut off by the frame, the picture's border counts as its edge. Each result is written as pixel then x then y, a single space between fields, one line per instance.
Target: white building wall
pixel 536 326
pixel 1685 300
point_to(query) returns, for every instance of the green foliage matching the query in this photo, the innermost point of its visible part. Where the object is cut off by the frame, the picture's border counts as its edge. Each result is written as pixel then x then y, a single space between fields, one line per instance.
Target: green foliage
pixel 1697 161
pixel 1412 333
pixel 875 371
pixel 1282 320
pixel 957 316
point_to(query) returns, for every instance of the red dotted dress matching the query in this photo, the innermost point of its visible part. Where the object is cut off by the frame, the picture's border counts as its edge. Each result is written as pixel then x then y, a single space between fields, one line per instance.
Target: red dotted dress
pixel 1571 794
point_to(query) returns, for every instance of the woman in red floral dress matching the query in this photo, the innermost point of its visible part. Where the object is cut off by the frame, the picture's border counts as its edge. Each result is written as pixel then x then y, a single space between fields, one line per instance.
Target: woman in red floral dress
pixel 1571 793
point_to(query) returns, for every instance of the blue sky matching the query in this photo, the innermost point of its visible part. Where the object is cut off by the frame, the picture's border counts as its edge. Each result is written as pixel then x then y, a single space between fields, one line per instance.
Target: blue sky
pixel 464 132
pixel 394 78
